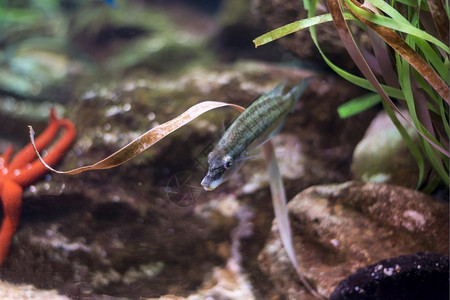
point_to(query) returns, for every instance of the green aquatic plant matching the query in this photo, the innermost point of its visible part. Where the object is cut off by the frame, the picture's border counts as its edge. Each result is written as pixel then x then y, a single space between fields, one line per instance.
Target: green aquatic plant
pixel 406 66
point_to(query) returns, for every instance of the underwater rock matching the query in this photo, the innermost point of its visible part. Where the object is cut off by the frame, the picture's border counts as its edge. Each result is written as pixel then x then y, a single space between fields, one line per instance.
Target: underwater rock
pixel 420 276
pixel 16 292
pixel 412 277
pixel 230 281
pixel 340 228
pixel 383 157
pixel 238 27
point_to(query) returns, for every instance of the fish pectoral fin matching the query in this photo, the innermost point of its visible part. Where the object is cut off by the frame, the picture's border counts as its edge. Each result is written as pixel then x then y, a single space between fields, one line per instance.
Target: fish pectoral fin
pixel 270 134
pixel 275 131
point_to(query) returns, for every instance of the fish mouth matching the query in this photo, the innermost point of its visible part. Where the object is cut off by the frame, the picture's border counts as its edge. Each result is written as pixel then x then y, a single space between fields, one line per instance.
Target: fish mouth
pixel 208 189
pixel 208 185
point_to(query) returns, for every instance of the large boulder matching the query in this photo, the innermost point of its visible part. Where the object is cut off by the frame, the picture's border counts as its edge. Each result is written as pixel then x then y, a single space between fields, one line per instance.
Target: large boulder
pixel 340 228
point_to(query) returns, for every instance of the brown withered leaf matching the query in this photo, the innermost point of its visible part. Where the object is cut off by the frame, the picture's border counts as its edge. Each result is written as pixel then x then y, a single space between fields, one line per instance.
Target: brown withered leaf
pixel 144 141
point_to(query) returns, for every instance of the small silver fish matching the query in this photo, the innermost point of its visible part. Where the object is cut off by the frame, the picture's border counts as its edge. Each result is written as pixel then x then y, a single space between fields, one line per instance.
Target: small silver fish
pixel 258 123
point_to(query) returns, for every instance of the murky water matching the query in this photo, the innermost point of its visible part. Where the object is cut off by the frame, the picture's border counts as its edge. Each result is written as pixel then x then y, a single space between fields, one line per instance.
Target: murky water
pixel 147 228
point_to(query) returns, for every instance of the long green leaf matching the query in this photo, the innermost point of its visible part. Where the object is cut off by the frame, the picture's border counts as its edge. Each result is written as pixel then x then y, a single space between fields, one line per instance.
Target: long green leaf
pixel 405 83
pixel 358 105
pixel 293 27
pixel 359 81
pixel 443 112
pixel 412 146
pixel 434 96
pixel 432 156
pixel 417 109
pixel 437 162
pixel 435 59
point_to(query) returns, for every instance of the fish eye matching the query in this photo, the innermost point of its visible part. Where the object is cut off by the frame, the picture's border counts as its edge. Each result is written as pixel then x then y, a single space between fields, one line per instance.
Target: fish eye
pixel 227 162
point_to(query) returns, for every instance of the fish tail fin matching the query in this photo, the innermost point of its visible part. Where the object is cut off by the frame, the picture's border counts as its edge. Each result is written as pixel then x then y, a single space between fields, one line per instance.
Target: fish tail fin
pixel 298 90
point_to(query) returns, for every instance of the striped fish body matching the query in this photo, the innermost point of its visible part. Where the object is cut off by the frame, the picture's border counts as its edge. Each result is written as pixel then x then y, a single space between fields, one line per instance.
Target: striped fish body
pixel 258 123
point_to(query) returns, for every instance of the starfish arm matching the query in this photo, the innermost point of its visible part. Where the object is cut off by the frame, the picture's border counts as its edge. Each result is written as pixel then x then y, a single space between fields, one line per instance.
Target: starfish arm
pixel 5 157
pixel 11 196
pixel 28 175
pixel 27 154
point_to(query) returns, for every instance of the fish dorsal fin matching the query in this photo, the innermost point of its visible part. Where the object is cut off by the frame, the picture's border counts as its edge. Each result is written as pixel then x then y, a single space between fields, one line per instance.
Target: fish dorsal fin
pixel 278 90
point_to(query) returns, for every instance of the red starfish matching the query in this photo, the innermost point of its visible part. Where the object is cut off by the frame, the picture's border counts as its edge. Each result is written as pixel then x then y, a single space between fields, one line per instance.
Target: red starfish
pixel 23 171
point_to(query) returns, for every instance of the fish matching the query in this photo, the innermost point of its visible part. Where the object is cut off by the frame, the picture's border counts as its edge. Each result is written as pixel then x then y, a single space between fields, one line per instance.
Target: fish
pixel 257 124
